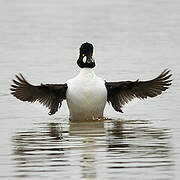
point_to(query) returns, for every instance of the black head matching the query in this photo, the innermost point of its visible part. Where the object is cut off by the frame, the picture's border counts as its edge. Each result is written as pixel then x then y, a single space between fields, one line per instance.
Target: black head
pixel 85 56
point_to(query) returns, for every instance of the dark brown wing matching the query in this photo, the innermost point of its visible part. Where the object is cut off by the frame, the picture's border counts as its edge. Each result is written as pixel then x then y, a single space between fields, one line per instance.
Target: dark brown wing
pixel 50 95
pixel 120 93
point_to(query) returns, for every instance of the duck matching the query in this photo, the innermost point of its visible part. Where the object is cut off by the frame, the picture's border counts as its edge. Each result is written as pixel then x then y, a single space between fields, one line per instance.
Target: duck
pixel 87 94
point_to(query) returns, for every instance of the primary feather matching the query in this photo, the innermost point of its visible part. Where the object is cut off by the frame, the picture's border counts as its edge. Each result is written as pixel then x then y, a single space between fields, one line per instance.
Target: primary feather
pixel 50 95
pixel 122 92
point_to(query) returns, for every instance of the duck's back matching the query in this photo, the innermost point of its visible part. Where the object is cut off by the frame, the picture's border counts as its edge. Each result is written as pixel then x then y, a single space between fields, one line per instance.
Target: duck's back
pixel 86 96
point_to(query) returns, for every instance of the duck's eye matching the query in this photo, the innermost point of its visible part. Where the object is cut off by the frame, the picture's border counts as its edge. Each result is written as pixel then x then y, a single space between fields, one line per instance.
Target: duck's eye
pixel 83 55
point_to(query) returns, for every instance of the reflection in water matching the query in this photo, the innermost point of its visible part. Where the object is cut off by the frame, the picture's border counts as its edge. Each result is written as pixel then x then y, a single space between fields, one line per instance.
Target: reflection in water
pixel 139 145
pixel 93 138
pixel 92 150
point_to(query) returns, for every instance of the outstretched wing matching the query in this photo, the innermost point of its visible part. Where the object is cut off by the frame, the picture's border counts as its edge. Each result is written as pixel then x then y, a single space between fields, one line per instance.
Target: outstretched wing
pixel 122 92
pixel 50 95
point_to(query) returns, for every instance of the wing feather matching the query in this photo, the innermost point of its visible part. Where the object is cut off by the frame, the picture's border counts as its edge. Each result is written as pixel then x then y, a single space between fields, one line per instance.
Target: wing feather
pixel 50 95
pixel 120 93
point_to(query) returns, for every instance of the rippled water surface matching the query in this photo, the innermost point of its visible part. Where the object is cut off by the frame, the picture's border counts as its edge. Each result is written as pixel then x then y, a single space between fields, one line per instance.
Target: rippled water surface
pixel 110 149
pixel 132 39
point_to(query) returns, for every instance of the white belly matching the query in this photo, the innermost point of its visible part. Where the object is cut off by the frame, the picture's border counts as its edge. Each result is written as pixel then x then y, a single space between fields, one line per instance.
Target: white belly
pixel 86 96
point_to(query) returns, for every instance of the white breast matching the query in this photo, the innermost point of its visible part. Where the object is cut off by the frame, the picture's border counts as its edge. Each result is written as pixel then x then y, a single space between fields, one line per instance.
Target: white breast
pixel 86 95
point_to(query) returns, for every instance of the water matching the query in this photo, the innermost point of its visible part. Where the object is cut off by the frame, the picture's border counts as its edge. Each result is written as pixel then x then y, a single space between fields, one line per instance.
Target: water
pixel 132 39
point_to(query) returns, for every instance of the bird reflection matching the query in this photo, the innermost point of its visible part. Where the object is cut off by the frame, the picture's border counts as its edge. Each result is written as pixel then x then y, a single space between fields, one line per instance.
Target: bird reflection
pixel 139 145
pixel 92 133
pixel 55 131
pixel 45 144
pixel 57 147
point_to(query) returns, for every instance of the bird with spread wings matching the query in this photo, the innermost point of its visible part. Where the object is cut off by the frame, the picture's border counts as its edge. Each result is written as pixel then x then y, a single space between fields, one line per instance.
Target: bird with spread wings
pixel 118 93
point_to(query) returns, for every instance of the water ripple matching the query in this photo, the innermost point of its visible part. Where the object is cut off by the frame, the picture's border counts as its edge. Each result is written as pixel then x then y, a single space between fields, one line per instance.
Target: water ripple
pixel 91 147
